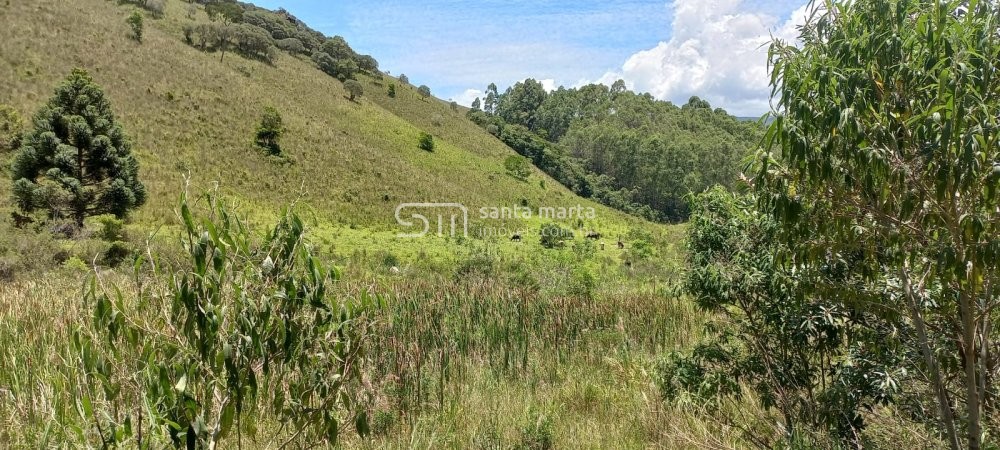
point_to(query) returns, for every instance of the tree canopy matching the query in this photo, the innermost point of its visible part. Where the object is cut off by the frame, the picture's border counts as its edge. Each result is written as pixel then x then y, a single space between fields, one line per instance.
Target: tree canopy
pixel 626 150
pixel 76 161
pixel 885 147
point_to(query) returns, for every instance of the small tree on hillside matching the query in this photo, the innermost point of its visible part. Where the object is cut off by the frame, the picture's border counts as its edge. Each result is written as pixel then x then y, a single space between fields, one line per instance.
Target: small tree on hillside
pixel 404 79
pixel 518 166
pixel 77 161
pixel 270 130
pixel 10 128
pixel 424 91
pixel 454 106
pixel 476 104
pixel 353 88
pixel 426 142
pixel 392 91
pixel 135 22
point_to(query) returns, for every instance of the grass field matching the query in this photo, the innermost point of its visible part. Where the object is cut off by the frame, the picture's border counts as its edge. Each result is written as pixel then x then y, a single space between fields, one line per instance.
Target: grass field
pixel 481 342
pixel 561 343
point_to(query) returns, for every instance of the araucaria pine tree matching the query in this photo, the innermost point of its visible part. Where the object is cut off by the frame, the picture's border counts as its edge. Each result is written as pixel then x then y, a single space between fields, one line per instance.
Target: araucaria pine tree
pixel 76 161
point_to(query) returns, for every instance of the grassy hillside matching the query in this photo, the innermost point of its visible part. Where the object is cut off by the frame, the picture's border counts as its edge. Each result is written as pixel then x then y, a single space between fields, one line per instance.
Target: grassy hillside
pixel 191 114
pixel 585 322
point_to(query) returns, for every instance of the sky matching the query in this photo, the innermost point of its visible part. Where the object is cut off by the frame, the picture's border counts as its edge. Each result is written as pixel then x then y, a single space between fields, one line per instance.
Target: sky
pixel 715 49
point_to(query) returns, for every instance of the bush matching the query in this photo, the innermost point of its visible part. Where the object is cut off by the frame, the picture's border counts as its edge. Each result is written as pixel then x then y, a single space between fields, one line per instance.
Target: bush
pixel 424 91
pixel 270 130
pixel 392 91
pixel 155 7
pixel 135 23
pixel 537 434
pixel 116 254
pixel 11 126
pixel 354 89
pixel 256 324
pixel 478 264
pixel 554 236
pixel 404 79
pixel 75 264
pixel 518 167
pixel 291 45
pixel 111 229
pixel 426 142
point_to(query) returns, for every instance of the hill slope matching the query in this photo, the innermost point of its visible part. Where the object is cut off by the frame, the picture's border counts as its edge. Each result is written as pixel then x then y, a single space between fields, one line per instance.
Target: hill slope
pixel 191 113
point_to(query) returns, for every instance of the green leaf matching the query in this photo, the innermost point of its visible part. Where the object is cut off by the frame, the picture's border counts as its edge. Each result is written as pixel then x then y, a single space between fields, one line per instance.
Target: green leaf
pixel 361 424
pixel 226 421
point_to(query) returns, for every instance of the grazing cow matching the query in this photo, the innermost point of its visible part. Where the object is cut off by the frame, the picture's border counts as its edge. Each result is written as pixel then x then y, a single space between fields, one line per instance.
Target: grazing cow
pixel 593 235
pixel 516 237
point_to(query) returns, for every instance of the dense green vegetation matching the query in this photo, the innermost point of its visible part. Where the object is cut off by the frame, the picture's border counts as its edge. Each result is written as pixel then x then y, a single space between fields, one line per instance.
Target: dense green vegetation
pixel 76 162
pixel 862 269
pixel 626 150
pixel 202 252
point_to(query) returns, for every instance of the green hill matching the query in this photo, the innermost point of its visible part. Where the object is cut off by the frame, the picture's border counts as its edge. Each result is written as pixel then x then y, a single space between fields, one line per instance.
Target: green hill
pixel 518 344
pixel 192 114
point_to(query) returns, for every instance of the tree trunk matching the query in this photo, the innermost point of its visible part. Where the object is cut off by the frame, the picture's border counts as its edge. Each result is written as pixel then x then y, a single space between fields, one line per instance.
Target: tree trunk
pixel 944 405
pixel 969 328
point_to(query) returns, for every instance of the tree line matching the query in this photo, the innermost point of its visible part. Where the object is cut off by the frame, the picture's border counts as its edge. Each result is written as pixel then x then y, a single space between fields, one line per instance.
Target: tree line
pixel 627 150
pixel 259 33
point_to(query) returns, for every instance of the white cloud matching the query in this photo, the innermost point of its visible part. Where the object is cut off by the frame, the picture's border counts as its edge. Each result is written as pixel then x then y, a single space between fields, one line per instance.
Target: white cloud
pixel 466 98
pixel 548 84
pixel 718 51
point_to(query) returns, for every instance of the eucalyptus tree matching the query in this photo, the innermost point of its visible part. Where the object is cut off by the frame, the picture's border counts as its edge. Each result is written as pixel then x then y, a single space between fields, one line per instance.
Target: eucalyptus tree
pixel 884 149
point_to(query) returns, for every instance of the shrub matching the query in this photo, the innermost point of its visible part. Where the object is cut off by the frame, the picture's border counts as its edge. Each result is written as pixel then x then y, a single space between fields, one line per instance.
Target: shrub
pixel 392 91
pixel 404 79
pixel 518 167
pixel 426 142
pixel 135 23
pixel 270 130
pixel 424 91
pixel 291 45
pixel 382 422
pixel 111 228
pixel 75 264
pixel 10 128
pixel 554 236
pixel 155 7
pixel 255 323
pixel 116 254
pixel 537 434
pixel 454 106
pixel 477 264
pixel 354 88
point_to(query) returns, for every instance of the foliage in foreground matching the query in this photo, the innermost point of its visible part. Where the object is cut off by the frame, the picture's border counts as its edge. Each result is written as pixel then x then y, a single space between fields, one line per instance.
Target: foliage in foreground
pixel 251 330
pixel 885 153
pixel 819 362
pixel 869 270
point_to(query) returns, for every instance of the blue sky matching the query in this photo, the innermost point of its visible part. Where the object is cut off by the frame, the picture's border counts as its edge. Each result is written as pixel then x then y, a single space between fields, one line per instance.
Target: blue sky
pixel 672 49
